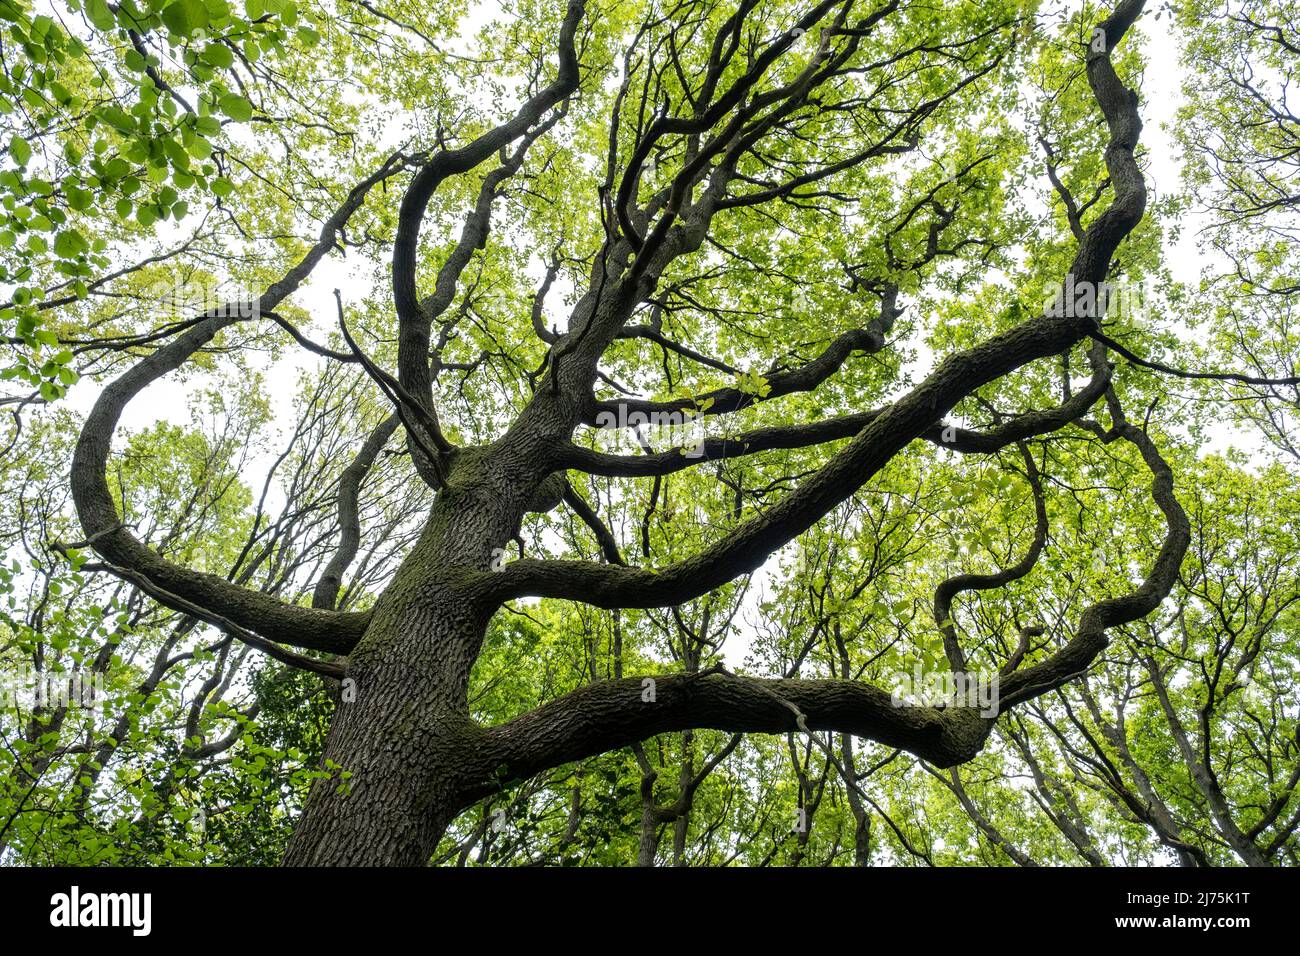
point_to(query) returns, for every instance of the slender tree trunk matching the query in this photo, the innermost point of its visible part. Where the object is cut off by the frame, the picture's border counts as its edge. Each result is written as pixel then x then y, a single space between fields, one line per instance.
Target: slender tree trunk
pixel 685 775
pixel 648 844
pixel 861 838
pixel 1203 777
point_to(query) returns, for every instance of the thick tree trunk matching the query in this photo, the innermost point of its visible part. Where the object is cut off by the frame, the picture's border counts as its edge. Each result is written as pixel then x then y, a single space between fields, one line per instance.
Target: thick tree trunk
pixel 402 734
pixel 395 748
pixel 402 741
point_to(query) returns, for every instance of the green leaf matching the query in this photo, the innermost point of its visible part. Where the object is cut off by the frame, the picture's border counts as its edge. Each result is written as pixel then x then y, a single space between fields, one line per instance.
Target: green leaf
pixel 19 150
pixel 70 243
pixel 219 55
pixel 207 125
pixel 199 148
pixel 236 107
pixel 116 117
pixel 184 17
pixel 101 17
pixel 79 199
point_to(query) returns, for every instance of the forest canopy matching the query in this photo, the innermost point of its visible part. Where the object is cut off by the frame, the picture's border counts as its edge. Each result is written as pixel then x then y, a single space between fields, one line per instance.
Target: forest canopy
pixel 656 432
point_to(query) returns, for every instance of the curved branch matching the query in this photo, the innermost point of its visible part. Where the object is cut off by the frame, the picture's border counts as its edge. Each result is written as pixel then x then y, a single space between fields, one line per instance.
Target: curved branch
pixel 706 115
pixel 413 320
pixel 963 440
pixel 805 378
pixel 327 588
pixel 268 616
pixel 615 713
pixel 653 334
pixel 951 587
pixel 995 836
pixel 1182 373
pixel 334 669
pixel 429 462
pixel 749 545
pixel 580 507
pixel 1090 636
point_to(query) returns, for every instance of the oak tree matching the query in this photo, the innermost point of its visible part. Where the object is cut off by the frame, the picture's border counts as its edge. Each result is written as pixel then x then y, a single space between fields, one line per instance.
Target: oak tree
pixel 616 331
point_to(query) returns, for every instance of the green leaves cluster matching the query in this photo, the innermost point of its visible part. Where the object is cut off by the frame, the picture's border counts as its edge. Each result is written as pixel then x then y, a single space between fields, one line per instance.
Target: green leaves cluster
pixel 115 118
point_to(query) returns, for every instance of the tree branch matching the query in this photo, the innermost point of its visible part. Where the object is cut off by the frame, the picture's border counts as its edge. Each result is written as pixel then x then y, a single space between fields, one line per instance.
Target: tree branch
pixel 280 622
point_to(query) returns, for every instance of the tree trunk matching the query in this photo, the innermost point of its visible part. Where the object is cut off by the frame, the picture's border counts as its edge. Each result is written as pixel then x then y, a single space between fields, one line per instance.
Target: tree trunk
pixel 406 740
pixel 648 842
pixel 402 741
pixel 395 747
